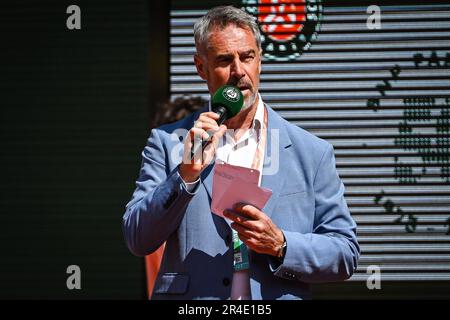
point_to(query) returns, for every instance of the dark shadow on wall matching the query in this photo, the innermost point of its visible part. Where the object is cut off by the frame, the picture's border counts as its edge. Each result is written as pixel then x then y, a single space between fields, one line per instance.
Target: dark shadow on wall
pixel 73 122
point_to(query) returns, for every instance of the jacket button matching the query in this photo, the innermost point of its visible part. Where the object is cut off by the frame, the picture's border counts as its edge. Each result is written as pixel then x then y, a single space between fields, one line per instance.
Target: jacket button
pixel 226 282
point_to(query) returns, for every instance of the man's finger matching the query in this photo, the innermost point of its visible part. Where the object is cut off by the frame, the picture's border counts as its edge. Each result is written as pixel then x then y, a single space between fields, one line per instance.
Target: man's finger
pixel 219 134
pixel 216 138
pixel 206 123
pixel 236 217
pixel 245 235
pixel 243 230
pixel 249 242
pixel 197 133
pixel 248 210
pixel 211 148
pixel 208 117
pixel 196 138
pixel 210 114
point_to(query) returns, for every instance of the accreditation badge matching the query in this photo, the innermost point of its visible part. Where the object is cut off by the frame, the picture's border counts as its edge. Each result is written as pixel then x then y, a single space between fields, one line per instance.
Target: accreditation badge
pixel 240 252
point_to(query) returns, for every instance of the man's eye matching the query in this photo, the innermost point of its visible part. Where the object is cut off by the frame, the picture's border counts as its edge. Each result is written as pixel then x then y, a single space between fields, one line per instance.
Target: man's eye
pixel 223 60
pixel 248 58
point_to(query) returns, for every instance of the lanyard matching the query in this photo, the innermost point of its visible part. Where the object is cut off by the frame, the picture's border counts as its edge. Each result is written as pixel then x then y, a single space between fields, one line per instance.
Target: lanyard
pixel 260 149
pixel 240 250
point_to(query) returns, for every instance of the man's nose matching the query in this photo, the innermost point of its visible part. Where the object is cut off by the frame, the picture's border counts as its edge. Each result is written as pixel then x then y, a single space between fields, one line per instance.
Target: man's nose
pixel 237 71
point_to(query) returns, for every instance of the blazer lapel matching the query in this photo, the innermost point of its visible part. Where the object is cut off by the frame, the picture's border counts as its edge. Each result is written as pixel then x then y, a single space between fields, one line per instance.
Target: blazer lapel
pixel 275 158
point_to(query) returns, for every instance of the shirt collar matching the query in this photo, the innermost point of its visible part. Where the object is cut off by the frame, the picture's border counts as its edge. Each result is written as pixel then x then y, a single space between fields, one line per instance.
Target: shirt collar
pixel 258 120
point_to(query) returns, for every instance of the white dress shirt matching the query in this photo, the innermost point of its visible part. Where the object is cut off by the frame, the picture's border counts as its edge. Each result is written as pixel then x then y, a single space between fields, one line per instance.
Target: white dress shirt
pixel 240 153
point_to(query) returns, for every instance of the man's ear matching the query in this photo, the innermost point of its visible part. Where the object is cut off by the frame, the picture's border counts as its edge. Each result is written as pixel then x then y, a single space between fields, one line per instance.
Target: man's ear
pixel 199 64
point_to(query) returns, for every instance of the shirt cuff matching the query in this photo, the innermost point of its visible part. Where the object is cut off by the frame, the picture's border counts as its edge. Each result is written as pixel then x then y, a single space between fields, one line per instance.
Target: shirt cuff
pixel 190 187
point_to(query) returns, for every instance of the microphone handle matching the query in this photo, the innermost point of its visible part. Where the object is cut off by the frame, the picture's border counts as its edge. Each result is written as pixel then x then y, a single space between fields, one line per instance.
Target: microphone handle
pixel 223 112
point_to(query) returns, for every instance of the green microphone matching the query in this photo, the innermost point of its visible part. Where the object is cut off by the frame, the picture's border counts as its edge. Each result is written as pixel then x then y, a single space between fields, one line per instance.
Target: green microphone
pixel 226 102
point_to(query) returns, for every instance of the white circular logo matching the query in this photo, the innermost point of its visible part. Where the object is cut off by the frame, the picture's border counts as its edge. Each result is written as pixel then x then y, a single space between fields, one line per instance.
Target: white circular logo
pixel 231 94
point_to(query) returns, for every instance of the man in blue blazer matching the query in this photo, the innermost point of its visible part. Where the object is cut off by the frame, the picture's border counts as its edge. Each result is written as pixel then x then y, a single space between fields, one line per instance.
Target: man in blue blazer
pixel 304 233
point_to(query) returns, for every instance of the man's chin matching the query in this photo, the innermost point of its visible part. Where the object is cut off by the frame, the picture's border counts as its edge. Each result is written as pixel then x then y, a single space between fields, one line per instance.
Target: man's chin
pixel 249 101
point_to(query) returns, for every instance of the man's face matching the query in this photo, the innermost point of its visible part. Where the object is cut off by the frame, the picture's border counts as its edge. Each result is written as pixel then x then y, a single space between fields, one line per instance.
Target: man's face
pixel 231 57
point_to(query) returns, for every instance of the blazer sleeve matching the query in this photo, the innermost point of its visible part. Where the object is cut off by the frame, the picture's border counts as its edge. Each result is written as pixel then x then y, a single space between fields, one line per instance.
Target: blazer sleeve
pixel 158 204
pixel 331 251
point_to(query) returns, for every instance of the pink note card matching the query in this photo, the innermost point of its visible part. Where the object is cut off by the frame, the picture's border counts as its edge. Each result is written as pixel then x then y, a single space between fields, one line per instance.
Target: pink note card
pixel 233 184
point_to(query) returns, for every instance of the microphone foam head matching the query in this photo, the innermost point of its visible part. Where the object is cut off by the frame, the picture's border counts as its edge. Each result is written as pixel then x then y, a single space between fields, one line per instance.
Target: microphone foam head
pixel 230 97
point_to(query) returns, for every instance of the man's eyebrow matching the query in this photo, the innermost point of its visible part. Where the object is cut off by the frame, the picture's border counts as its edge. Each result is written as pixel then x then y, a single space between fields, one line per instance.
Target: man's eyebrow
pixel 224 56
pixel 248 52
pixel 229 55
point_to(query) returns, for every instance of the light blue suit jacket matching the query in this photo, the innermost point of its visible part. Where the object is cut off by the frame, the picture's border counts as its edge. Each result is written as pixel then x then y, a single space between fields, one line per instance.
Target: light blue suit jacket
pixel 307 204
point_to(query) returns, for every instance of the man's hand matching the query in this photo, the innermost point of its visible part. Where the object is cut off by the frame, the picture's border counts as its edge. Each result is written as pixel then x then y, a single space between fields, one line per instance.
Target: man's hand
pixel 255 229
pixel 205 125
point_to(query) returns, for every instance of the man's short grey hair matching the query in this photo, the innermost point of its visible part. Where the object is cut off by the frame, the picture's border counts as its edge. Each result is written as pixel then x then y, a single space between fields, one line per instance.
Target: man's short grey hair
pixel 221 17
